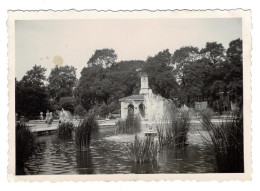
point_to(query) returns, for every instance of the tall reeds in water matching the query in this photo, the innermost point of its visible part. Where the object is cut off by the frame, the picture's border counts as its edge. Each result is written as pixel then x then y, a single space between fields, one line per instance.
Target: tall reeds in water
pixel 141 151
pixel 132 124
pixel 84 131
pixel 65 129
pixel 174 132
pixel 225 143
pixel 25 146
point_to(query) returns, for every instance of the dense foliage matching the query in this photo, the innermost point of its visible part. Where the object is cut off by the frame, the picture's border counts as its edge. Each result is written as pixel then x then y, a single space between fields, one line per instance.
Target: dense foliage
pixel 188 75
pixel 62 80
pixel 31 96
pixel 26 145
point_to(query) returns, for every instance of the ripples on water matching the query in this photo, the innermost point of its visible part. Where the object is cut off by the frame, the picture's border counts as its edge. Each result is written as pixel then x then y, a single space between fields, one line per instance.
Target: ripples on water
pixel 60 156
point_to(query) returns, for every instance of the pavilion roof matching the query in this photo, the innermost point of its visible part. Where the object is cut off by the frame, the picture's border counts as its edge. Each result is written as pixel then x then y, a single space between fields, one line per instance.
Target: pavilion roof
pixel 132 97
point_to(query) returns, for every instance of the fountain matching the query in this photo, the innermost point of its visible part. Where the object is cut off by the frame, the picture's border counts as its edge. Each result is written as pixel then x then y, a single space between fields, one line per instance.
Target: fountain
pixel 64 116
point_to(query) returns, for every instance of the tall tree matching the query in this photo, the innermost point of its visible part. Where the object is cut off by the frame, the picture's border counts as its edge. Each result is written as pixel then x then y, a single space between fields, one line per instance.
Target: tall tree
pixel 34 77
pixel 62 80
pixel 98 85
pixel 103 58
pixel 160 72
pixel 234 71
pixel 194 78
pixel 90 87
pixel 215 52
pixel 31 96
pixel 182 57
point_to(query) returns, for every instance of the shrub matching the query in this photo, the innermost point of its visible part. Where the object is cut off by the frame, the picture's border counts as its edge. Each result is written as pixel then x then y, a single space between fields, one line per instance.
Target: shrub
pixel 132 124
pixel 141 151
pixel 111 116
pixel 225 142
pixel 113 107
pixel 115 111
pixel 65 129
pixel 80 111
pixel 25 145
pixel 174 132
pixel 103 110
pixel 84 130
pixel 67 103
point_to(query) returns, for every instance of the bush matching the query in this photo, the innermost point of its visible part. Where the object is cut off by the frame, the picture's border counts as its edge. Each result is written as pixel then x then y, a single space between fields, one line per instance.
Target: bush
pixel 225 142
pixel 142 151
pixel 65 129
pixel 115 111
pixel 25 145
pixel 132 124
pixel 67 103
pixel 174 133
pixel 114 107
pixel 80 111
pixel 84 130
pixel 103 110
pixel 111 116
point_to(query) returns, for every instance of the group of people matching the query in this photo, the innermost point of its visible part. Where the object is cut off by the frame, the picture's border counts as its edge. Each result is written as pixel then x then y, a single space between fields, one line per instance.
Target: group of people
pixel 49 118
pixel 64 116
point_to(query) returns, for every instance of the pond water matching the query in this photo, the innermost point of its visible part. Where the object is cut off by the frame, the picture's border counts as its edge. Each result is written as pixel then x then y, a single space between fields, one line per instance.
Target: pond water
pixel 60 156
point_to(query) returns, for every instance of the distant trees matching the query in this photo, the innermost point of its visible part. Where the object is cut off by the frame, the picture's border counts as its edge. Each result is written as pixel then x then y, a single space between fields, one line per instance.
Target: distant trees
pixel 188 75
pixel 31 95
pixel 160 72
pixel 233 72
pixel 211 74
pixel 62 80
pixel 34 77
pixel 103 58
pixel 104 84
pixel 80 111
pixel 67 103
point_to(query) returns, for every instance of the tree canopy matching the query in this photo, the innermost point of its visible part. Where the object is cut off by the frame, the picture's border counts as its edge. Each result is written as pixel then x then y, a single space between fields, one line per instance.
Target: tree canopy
pixel 34 77
pixel 31 95
pixel 103 58
pixel 62 80
pixel 160 72
pixel 188 75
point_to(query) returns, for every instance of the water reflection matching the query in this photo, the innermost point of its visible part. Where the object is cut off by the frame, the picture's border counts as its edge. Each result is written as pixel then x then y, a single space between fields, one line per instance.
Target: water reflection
pixel 145 168
pixel 84 162
pixel 60 156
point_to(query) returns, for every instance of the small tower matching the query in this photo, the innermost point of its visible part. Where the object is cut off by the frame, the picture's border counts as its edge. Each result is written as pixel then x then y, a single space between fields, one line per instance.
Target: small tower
pixel 144 84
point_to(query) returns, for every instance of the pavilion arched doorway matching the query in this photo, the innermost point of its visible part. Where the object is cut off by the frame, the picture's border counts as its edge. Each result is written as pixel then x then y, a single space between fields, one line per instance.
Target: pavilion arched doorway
pixel 130 109
pixel 142 110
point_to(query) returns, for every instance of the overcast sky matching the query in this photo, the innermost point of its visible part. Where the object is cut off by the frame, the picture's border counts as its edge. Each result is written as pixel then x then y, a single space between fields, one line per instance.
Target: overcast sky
pixel 38 42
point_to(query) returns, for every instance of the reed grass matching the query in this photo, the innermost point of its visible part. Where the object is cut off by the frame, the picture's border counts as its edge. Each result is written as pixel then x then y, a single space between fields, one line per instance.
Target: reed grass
pixel 65 129
pixel 174 132
pixel 25 145
pixel 140 151
pixel 132 124
pixel 225 143
pixel 84 131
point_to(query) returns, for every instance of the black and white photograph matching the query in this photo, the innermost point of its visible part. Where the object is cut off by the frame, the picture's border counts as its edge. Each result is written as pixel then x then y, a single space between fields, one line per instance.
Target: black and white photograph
pixel 100 96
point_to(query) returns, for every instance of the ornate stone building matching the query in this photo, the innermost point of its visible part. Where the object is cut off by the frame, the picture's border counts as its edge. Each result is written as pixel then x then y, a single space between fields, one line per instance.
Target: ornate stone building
pixel 147 105
pixel 135 103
